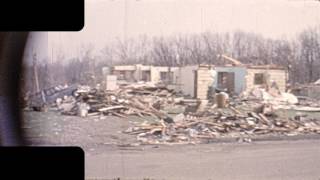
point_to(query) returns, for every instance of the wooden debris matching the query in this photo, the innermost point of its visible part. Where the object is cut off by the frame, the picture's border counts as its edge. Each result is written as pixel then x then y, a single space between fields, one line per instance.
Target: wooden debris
pixel 127 100
pixel 227 122
pixel 240 118
pixel 111 108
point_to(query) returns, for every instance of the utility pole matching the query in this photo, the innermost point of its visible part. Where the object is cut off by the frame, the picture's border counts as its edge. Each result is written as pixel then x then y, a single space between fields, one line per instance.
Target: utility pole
pixel 125 29
pixel 35 73
pixel 51 64
pixel 35 79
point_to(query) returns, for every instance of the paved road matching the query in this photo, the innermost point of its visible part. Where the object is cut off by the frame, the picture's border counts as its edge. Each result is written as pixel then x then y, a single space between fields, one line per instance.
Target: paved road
pixel 283 160
pixel 100 138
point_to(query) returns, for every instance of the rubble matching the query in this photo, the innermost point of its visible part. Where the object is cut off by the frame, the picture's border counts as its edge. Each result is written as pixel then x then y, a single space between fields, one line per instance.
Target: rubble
pixel 227 122
pixel 180 121
pixel 135 99
pixel 242 118
pixel 53 95
pixel 271 96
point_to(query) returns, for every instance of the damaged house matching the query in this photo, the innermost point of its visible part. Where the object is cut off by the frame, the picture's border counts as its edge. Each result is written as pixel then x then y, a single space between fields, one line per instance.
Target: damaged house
pixel 138 72
pixel 235 78
pixel 198 81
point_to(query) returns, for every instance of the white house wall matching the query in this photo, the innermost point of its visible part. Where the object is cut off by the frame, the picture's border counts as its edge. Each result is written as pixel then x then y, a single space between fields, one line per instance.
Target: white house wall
pixel 239 77
pixel 204 81
pixel 185 80
pixel 277 75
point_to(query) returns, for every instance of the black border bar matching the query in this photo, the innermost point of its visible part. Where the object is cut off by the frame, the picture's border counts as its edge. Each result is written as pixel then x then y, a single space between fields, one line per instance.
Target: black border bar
pixel 42 15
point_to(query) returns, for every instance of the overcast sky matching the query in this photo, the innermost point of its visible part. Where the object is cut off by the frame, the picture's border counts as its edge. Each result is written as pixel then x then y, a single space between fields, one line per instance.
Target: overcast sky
pixel 106 20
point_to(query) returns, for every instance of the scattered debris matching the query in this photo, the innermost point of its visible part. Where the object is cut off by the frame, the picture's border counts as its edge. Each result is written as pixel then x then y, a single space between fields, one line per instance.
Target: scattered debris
pixel 49 96
pixel 244 118
pixel 270 96
pixel 193 121
pixel 216 123
pixel 135 99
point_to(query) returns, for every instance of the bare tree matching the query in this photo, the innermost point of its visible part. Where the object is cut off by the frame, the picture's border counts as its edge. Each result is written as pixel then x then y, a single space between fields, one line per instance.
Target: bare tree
pixel 300 55
pixel 309 40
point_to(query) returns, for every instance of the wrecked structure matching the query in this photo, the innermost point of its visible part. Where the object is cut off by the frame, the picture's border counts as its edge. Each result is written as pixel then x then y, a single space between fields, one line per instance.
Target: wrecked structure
pixel 196 104
pixel 167 118
pixel 138 72
pixel 200 81
pixel 236 78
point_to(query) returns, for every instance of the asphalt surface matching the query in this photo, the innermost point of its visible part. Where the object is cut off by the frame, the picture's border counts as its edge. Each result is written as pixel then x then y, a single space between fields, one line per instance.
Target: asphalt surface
pixel 283 160
pixel 108 155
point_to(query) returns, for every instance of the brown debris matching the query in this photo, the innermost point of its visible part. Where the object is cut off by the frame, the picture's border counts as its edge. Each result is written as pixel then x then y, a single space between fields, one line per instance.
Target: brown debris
pixel 237 117
pixel 259 118
pixel 135 99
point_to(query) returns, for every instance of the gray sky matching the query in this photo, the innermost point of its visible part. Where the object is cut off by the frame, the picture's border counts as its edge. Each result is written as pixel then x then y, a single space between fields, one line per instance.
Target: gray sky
pixel 105 20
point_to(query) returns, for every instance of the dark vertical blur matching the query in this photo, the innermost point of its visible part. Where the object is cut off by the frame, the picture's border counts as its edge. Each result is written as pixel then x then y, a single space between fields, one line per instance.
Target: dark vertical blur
pixel 12 45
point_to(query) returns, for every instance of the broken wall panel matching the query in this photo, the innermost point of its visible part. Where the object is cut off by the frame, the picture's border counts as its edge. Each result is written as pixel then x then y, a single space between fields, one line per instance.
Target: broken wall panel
pixel 186 80
pixel 111 82
pixel 204 82
pixel 158 73
pixel 239 82
pixel 279 76
pixel 146 73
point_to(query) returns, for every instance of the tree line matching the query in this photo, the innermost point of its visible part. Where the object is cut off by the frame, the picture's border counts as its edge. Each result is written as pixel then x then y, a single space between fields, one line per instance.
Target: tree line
pixel 299 55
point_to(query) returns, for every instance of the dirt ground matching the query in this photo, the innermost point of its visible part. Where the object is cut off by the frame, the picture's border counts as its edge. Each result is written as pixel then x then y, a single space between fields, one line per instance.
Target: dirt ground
pixel 93 134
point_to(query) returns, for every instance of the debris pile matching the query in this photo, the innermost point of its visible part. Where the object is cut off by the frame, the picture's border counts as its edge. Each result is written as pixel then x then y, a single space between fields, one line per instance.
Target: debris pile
pixel 249 115
pixel 135 99
pixel 272 96
pixel 241 117
pixel 217 123
pixel 39 100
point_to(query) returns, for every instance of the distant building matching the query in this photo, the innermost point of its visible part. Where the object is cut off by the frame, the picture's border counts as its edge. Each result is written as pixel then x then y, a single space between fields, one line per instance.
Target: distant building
pixel 236 78
pixel 197 81
pixel 138 72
